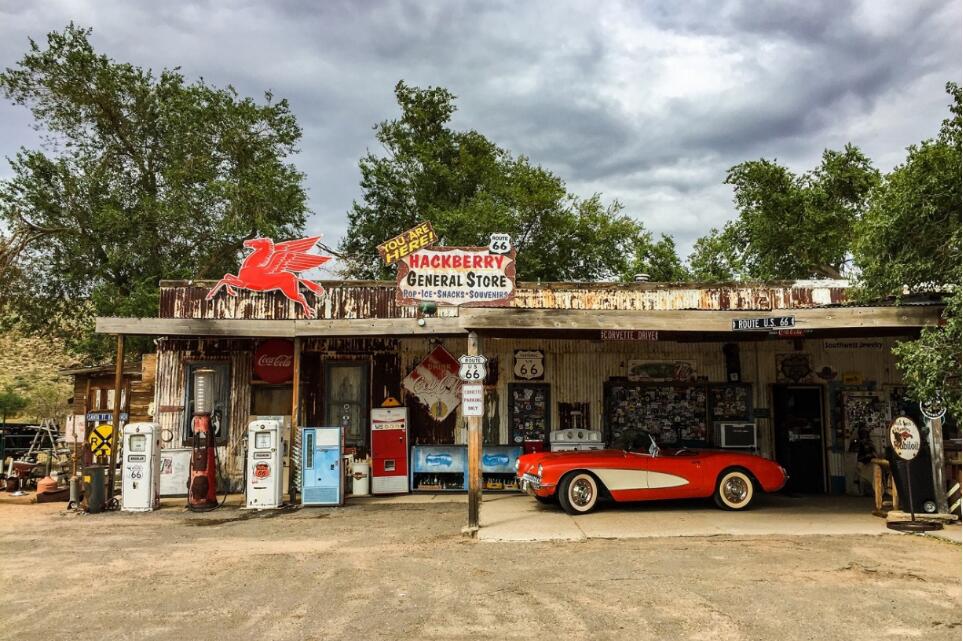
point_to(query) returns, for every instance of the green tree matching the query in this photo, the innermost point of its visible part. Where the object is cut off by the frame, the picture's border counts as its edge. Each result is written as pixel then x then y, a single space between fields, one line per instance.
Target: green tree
pixel 715 257
pixel 470 188
pixel 909 241
pixel 10 404
pixel 659 260
pixel 790 226
pixel 140 177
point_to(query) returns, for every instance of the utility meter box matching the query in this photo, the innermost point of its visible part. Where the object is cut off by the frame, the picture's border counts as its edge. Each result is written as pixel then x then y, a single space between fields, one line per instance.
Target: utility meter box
pixel 265 466
pixel 140 489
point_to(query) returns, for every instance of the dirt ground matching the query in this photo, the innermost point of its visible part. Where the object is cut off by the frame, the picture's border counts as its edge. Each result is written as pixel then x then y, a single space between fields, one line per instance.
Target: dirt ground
pixel 370 572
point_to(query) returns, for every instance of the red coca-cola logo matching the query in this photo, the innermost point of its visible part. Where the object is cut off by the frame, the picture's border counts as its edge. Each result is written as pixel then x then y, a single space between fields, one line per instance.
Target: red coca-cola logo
pixel 274 361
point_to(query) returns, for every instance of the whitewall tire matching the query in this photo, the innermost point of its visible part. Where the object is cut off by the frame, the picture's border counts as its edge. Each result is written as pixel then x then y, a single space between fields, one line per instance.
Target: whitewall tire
pixel 734 491
pixel 579 493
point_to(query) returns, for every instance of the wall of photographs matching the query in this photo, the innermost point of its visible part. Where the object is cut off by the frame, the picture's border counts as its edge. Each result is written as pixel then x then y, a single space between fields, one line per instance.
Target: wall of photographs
pixel 675 414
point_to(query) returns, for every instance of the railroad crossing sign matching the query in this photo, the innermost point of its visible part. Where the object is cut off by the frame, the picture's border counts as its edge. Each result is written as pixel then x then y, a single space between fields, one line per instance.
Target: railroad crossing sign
pixel 472 368
pixel 99 440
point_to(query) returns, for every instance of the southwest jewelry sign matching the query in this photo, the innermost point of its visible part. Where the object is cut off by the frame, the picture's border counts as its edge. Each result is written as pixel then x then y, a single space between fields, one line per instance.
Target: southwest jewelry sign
pixel 472 276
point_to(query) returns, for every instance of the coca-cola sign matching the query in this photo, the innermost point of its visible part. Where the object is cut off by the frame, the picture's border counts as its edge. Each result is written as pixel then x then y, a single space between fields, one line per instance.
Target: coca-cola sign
pixel 274 361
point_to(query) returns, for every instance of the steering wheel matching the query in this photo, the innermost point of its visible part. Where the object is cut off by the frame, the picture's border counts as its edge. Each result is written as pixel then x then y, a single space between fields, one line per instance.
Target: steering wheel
pixel 682 450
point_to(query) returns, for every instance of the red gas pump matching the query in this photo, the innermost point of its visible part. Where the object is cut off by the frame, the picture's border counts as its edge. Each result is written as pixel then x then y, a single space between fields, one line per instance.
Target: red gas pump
pixel 202 484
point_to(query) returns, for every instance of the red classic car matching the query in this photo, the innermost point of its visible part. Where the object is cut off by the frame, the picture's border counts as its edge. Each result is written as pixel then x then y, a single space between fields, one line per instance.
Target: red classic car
pixel 578 479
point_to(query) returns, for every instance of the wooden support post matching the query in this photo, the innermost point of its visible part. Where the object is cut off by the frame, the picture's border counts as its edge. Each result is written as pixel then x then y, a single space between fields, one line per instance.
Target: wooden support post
pixel 936 458
pixel 474 452
pixel 295 406
pixel 115 436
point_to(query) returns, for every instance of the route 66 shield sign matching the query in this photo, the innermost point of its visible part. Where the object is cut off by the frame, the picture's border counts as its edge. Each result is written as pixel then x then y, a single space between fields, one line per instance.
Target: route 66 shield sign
pixel 529 364
pixel 471 369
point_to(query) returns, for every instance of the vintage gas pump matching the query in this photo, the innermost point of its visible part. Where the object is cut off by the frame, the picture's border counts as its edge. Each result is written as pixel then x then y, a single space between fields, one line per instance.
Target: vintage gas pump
pixel 265 469
pixel 140 490
pixel 202 485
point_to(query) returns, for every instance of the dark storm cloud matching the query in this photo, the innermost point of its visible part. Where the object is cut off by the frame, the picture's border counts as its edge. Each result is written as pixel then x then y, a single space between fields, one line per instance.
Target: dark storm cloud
pixel 649 103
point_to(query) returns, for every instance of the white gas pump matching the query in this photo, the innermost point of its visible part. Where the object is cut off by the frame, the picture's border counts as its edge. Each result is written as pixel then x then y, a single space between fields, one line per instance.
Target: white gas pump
pixel 140 491
pixel 265 467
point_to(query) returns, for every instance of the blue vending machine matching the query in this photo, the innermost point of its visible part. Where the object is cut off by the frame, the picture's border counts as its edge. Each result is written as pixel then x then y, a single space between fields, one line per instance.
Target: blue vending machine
pixel 321 464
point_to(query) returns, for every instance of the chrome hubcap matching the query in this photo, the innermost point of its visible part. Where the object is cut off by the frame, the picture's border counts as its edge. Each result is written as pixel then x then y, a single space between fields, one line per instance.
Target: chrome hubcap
pixel 735 490
pixel 581 492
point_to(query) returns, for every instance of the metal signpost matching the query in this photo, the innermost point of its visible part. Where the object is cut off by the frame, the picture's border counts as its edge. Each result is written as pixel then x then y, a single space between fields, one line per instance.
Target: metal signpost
pixel 934 411
pixel 904 436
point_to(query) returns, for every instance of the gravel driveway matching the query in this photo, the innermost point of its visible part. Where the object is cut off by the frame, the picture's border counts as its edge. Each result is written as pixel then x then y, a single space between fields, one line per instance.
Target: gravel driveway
pixel 402 571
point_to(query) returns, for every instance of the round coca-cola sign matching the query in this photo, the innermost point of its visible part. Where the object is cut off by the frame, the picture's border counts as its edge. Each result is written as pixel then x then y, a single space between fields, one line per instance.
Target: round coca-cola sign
pixel 274 361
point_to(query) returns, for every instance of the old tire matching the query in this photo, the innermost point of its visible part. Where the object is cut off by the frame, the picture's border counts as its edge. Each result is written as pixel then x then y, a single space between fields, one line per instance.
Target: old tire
pixel 579 493
pixel 734 490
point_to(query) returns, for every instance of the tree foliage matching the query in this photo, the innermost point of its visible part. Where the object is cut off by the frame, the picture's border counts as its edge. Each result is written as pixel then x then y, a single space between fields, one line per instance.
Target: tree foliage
pixel 140 177
pixel 789 226
pixel 469 188
pixel 10 403
pixel 910 240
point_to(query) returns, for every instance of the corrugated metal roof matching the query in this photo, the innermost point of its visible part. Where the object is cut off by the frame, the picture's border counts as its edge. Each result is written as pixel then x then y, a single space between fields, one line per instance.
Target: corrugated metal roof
pixel 376 299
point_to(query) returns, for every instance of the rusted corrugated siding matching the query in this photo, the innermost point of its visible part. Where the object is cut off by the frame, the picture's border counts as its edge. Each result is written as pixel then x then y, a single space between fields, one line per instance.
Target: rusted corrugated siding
pixel 170 395
pixel 351 300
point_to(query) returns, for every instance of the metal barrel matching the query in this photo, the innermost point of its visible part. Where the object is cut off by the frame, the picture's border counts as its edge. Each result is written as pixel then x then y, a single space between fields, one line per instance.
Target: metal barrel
pixel 95 487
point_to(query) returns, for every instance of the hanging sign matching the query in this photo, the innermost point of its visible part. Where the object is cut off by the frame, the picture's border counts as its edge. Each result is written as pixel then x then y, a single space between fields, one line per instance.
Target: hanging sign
pixel 472 399
pixel 763 324
pixel 472 276
pixel 472 368
pixel 418 237
pixel 933 409
pixel 904 436
pixel 434 382
pixel 529 364
pixel 276 267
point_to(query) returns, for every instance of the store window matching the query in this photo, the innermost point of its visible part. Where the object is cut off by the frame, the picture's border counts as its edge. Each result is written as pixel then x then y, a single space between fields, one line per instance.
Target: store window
pixel 270 400
pixel 221 400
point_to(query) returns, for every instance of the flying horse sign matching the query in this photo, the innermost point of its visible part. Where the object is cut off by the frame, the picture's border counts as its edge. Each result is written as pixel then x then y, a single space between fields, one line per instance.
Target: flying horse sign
pixel 276 267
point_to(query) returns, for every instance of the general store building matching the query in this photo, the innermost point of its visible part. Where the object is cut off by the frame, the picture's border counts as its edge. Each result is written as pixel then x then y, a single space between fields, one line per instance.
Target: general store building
pixel 810 370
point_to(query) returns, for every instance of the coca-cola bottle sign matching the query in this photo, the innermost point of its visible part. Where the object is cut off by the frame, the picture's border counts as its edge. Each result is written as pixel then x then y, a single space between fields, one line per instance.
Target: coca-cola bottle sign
pixel 274 361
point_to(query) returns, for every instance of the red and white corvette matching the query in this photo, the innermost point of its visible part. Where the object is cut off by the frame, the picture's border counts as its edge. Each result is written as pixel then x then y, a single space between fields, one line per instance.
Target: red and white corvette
pixel 578 479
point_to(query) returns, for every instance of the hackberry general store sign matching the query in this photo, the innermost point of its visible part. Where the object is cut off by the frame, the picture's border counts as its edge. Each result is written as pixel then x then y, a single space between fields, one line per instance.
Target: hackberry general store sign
pixel 473 276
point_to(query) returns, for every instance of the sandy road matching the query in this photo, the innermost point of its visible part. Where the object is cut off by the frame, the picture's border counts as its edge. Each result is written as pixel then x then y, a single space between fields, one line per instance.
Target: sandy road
pixel 403 572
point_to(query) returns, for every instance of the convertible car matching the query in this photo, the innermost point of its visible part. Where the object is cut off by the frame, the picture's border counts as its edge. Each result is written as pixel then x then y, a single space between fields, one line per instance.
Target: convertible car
pixel 578 479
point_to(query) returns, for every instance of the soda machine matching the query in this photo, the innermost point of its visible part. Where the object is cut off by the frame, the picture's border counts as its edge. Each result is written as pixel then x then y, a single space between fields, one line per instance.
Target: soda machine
pixel 322 476
pixel 265 468
pixel 140 485
pixel 389 450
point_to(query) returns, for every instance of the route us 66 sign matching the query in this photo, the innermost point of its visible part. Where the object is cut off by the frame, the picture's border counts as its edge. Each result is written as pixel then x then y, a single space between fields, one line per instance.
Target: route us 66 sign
pixel 529 364
pixel 500 244
pixel 472 369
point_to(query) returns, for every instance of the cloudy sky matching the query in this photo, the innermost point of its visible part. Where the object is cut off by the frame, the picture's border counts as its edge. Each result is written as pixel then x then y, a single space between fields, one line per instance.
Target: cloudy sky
pixel 646 102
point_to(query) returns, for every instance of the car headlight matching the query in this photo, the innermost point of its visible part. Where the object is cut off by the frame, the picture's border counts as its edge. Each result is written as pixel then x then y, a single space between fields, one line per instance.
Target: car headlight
pixel 516 465
pixel 539 470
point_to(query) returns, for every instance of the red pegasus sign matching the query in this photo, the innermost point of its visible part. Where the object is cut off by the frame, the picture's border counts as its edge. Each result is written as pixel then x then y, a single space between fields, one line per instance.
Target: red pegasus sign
pixel 276 266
